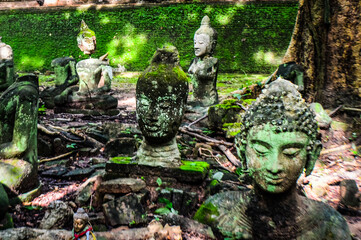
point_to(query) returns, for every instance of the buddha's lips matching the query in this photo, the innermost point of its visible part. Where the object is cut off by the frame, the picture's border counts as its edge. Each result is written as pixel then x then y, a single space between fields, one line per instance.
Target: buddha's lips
pixel 274 180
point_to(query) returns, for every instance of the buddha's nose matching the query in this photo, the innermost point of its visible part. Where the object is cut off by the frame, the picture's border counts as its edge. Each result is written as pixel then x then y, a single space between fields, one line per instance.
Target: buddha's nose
pixel 274 163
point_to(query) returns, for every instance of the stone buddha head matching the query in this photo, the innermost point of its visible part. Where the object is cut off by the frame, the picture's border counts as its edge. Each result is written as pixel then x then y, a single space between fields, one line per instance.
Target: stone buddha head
pixel 161 94
pixel 86 39
pixel 205 39
pixel 279 138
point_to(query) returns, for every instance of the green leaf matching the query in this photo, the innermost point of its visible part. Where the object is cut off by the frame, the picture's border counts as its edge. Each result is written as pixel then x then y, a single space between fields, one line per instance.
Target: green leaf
pixel 162 211
pixel 159 182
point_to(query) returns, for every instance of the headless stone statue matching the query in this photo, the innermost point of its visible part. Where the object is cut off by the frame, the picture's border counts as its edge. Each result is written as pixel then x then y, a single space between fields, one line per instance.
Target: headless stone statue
pixel 65 76
pixel 5 218
pixel 278 141
pixel 6 66
pixel 95 77
pixel 18 135
pixel 82 230
pixel 204 67
pixel 161 95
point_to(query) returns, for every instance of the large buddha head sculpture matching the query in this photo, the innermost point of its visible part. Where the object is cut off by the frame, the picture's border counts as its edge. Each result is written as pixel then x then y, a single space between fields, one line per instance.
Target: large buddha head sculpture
pixel 161 94
pixel 279 138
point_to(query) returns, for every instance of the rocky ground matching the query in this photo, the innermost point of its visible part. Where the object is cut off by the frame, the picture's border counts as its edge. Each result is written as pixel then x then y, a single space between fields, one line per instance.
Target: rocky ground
pixel 75 149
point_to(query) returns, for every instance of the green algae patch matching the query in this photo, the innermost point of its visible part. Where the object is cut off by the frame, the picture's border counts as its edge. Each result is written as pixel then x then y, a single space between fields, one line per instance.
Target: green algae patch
pixel 206 213
pixel 122 160
pixel 202 167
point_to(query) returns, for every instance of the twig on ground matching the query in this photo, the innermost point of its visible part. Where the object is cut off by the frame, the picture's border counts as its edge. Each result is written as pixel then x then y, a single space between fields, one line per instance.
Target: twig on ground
pixel 198 120
pixel 205 138
pixel 57 157
pixel 230 156
pixel 335 111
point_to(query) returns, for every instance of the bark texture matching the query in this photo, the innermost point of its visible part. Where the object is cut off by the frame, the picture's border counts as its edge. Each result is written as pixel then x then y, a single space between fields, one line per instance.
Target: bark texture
pixel 327 42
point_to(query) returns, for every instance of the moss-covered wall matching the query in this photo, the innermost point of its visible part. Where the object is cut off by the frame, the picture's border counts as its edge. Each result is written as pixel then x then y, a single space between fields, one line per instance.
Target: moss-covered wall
pixel 251 37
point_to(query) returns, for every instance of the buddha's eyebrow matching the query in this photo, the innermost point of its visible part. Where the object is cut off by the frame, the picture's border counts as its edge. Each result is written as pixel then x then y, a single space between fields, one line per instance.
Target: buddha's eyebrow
pixel 294 145
pixel 260 142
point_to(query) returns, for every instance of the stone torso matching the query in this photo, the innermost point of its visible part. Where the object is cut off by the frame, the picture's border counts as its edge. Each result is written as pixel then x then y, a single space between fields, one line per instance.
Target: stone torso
pixel 204 79
pixel 18 116
pixel 308 220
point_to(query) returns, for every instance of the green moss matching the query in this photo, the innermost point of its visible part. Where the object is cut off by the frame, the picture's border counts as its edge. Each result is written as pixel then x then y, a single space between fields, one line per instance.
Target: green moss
pixel 251 37
pixel 194 166
pixel 206 213
pixel 122 160
pixel 214 183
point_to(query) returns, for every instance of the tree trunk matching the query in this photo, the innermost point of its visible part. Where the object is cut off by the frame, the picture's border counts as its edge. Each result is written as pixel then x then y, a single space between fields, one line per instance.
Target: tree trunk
pixel 327 41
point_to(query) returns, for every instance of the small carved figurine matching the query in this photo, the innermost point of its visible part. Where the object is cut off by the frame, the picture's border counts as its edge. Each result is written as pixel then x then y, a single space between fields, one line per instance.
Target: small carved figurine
pixel 204 67
pixel 278 142
pixel 161 94
pixel 82 230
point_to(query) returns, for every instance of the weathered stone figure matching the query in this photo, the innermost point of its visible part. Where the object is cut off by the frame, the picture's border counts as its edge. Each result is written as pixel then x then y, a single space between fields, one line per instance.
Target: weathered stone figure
pixel 94 74
pixel 6 66
pixel 204 67
pixel 65 76
pixel 95 77
pixel 278 141
pixel 293 72
pixel 18 135
pixel 161 95
pixel 82 230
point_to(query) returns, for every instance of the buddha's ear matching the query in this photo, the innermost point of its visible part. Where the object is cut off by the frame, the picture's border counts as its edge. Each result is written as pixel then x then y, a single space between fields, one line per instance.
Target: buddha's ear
pixel 312 157
pixel 241 149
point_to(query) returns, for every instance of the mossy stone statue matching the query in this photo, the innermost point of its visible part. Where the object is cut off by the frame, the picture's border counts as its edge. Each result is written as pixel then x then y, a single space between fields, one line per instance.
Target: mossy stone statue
pixel 95 76
pixel 6 66
pixel 5 218
pixel 18 135
pixel 65 76
pixel 278 142
pixel 161 94
pixel 204 67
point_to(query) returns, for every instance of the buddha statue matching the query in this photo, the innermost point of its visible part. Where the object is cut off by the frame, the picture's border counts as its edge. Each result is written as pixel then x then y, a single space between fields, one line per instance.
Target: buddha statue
pixel 161 95
pixel 65 76
pixel 18 135
pixel 6 66
pixel 82 230
pixel 204 67
pixel 278 142
pixel 5 218
pixel 95 76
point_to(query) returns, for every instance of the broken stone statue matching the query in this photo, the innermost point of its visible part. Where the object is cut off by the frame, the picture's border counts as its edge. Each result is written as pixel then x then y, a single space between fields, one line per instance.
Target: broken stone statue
pixel 65 76
pixel 18 135
pixel 95 77
pixel 5 218
pixel 6 66
pixel 279 141
pixel 82 230
pixel 161 95
pixel 204 67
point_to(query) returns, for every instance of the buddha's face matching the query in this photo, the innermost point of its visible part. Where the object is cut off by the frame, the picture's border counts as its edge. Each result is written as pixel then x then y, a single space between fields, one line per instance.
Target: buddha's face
pixel 87 45
pixel 159 115
pixel 202 44
pixel 79 224
pixel 6 53
pixel 275 160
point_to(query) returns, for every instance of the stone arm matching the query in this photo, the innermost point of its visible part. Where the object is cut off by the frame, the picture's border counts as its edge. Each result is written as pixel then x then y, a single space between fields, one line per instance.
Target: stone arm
pixel 74 75
pixel 23 128
pixel 9 74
